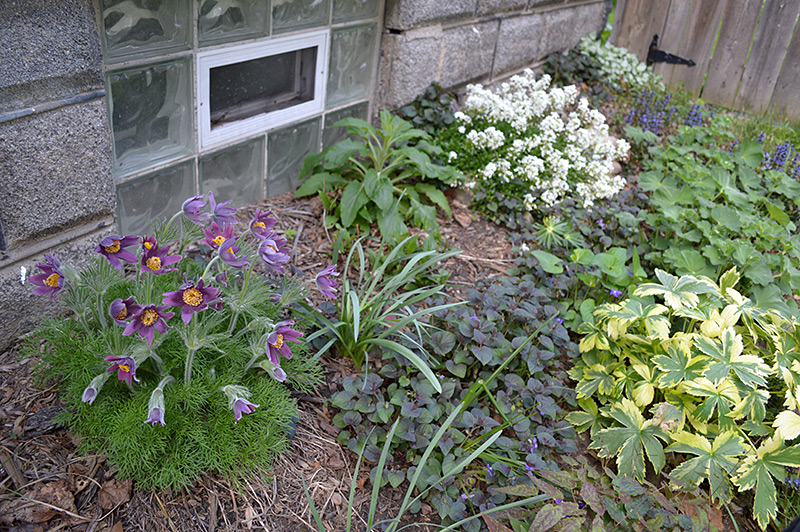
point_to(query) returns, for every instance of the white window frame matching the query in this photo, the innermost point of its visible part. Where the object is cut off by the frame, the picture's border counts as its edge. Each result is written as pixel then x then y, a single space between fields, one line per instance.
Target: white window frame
pixel 265 121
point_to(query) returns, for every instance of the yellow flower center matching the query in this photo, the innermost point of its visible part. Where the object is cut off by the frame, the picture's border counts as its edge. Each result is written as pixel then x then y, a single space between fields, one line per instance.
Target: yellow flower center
pixel 52 280
pixel 124 367
pixel 149 317
pixel 230 250
pixel 113 248
pixel 192 297
pixel 219 240
pixel 262 225
pixel 147 245
pixel 278 342
pixel 154 263
pixel 122 314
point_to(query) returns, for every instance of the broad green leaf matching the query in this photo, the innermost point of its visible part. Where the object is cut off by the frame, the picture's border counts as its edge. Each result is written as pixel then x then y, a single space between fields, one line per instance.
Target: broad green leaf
pixel 713 461
pixel 353 198
pixel 585 418
pixel 582 256
pixel 728 357
pixel 590 497
pixel 757 471
pixel 753 405
pixel 436 196
pixel 595 379
pixel 546 518
pixel 494 525
pixel 371 183
pixel 759 272
pixel 678 366
pixel 339 153
pixel 778 214
pixel 548 261
pixel 320 182
pixel 717 398
pixel 687 261
pixel 630 442
pixel 727 217
pixel 594 338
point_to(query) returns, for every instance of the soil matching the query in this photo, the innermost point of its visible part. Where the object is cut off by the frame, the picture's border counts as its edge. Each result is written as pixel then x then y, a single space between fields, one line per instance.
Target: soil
pixel 46 485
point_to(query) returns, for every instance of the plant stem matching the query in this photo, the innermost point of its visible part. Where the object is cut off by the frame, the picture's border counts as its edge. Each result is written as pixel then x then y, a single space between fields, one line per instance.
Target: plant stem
pixel 208 266
pixel 187 370
pixel 100 310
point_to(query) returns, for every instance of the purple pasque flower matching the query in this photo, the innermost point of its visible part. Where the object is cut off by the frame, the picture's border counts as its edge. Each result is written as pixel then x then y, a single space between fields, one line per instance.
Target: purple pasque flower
pixel 217 235
pixel 155 260
pixel 125 368
pixel 155 415
pixel 191 209
pixel 243 406
pixel 277 341
pixel 227 252
pixel 122 310
pixel 273 253
pixel 262 224
pixel 149 318
pixel 325 283
pixel 113 248
pixel 222 278
pixel 89 395
pixel 155 407
pixel 91 391
pixel 148 243
pixel 221 213
pixel 191 298
pixel 51 280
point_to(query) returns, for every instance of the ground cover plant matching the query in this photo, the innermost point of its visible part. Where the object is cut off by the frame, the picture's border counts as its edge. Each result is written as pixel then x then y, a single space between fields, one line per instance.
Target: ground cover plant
pixel 532 146
pixel 172 366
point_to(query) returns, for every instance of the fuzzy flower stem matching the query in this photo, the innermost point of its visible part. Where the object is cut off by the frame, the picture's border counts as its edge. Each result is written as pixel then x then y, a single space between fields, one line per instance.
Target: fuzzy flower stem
pixel 187 370
pixel 174 216
pixel 252 361
pixel 208 267
pixel 100 310
pixel 166 380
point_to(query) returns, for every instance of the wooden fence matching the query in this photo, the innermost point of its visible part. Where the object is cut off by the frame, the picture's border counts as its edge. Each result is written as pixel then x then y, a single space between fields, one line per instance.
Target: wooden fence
pixel 746 58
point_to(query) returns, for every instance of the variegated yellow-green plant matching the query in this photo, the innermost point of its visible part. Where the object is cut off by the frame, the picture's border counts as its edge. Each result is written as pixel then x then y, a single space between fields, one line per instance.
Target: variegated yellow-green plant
pixel 710 375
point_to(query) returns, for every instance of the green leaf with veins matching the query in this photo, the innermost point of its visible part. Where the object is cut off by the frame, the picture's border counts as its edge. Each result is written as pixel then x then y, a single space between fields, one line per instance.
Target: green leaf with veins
pixel 677 292
pixel 750 369
pixel 717 398
pixel 677 366
pixel 713 461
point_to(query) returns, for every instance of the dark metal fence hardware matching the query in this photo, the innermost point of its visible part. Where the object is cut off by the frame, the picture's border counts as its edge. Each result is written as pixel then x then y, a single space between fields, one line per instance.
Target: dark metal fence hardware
pixel 654 55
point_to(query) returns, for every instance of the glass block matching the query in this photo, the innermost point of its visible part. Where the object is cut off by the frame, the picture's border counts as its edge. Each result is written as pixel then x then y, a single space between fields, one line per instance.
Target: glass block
pixel 352 60
pixel 346 10
pixel 332 135
pixel 221 21
pixel 235 173
pixel 288 148
pixel 292 15
pixel 135 29
pixel 151 114
pixel 153 197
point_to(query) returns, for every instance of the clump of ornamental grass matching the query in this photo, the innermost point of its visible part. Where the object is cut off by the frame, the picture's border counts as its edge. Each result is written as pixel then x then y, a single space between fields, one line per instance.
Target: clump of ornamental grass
pixel 174 366
pixel 529 146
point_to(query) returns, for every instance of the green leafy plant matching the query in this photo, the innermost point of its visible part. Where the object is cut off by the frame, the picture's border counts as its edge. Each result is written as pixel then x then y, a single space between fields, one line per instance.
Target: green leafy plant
pixel 702 376
pixel 377 313
pixel 433 110
pixel 183 384
pixel 382 176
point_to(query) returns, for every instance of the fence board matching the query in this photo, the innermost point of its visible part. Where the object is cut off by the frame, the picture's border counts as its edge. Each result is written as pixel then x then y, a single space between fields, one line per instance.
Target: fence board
pixel 788 85
pixel 634 27
pixel 697 43
pixel 617 25
pixel 727 65
pixel 766 56
pixel 673 29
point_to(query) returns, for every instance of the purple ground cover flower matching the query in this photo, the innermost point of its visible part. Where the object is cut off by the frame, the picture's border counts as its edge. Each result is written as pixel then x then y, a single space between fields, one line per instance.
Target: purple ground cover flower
pixel 217 235
pixel 191 209
pixel 191 298
pixel 243 406
pixel 274 253
pixel 325 283
pixel 614 292
pixel 122 310
pixel 277 341
pixel 262 224
pixel 155 260
pixel 149 319
pixel 227 252
pixel 221 212
pixel 113 248
pixel 125 368
pixel 51 280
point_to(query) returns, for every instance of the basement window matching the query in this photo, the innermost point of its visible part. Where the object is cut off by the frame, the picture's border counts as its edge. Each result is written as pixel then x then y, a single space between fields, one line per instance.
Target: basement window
pixel 260 86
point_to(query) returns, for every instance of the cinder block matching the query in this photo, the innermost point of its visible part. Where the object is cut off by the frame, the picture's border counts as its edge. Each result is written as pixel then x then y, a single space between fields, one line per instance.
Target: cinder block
pixel 408 14
pixel 519 43
pixel 494 7
pixel 56 169
pixel 469 52
pixel 50 50
pixel 409 63
pixel 565 27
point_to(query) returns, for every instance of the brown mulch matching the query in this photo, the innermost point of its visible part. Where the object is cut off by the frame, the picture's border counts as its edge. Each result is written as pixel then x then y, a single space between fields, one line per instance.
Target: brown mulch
pixel 46 485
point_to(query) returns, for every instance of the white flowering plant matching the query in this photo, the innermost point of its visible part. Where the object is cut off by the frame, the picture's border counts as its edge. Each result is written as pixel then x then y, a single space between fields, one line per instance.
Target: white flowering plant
pixel 529 146
pixel 619 67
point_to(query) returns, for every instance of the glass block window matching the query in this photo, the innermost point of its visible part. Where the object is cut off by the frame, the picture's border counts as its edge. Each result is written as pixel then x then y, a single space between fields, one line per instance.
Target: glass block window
pixel 228 95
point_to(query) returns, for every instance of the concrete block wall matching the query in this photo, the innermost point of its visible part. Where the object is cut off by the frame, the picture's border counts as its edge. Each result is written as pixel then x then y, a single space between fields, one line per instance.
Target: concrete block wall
pixel 456 42
pixel 56 188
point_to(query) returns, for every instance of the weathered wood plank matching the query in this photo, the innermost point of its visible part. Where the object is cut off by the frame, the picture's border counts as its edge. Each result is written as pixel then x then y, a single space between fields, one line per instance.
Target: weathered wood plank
pixel 726 68
pixel 673 29
pixel 697 43
pixel 633 30
pixel 766 56
pixel 617 25
pixel 785 101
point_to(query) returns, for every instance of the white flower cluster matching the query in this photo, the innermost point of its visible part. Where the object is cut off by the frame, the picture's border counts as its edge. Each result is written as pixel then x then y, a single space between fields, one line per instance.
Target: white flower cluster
pixel 618 63
pixel 557 145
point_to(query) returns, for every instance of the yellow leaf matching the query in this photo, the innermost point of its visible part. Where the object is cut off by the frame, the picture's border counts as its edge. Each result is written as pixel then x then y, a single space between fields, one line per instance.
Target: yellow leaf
pixel 787 423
